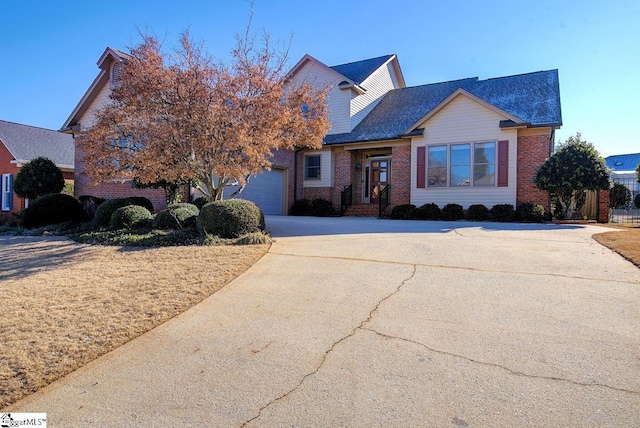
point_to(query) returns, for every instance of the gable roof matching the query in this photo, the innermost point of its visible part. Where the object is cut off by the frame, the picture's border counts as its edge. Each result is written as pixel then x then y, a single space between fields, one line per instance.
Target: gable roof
pixel 359 71
pixel 626 163
pixel 26 143
pixel 533 99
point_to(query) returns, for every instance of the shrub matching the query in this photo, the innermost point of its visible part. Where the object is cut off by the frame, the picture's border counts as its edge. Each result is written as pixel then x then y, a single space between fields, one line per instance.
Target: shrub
pixel 51 209
pixel 403 212
pixel 529 212
pixel 429 211
pixel 620 196
pixel 503 213
pixel 90 204
pixel 106 209
pixel 37 178
pixel 200 202
pixel 477 212
pixel 452 212
pixel 130 216
pixel 636 200
pixel 321 208
pixel 301 207
pixel 231 218
pixel 176 216
pixel 255 238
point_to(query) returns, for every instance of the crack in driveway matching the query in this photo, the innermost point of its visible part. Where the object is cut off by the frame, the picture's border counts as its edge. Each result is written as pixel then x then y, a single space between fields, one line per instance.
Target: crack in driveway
pixel 514 372
pixel 332 347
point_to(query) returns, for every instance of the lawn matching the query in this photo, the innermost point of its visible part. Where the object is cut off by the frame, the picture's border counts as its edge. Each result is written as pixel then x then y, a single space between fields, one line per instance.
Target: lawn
pixel 65 304
pixel 626 243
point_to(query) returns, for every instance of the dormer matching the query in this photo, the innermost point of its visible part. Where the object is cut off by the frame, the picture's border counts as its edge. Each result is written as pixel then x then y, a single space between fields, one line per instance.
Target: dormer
pixel 354 88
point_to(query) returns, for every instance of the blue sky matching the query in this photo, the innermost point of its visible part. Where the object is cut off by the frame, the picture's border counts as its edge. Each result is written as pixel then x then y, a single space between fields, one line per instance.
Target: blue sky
pixel 50 48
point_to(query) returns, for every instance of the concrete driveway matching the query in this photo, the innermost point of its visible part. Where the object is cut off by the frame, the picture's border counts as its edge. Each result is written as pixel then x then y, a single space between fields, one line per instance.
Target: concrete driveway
pixel 365 322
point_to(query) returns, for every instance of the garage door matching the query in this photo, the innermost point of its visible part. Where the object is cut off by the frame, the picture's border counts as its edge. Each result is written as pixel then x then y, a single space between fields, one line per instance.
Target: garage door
pixel 266 190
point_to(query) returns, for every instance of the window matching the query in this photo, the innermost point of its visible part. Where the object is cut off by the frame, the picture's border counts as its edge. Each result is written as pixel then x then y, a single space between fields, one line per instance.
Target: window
pixel 437 166
pixel 7 192
pixel 312 167
pixel 461 165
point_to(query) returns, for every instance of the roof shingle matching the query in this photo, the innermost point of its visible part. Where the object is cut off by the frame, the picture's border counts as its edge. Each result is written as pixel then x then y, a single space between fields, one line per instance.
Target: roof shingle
pixel 358 71
pixel 29 142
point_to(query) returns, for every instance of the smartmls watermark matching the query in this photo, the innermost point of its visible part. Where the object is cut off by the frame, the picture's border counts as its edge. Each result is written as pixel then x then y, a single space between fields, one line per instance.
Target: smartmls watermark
pixel 9 420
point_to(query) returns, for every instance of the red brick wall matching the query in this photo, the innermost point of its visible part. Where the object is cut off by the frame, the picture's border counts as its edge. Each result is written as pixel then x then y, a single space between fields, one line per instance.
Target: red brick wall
pixel 317 193
pixel 533 150
pixel 603 206
pixel 6 167
pixel 401 175
pixel 344 167
pixel 111 189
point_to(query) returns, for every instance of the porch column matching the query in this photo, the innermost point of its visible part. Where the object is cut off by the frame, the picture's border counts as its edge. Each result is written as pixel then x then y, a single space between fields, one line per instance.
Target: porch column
pixel 400 175
pixel 342 174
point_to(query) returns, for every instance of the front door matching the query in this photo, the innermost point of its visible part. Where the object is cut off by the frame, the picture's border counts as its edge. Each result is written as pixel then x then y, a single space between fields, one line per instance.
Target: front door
pixel 379 178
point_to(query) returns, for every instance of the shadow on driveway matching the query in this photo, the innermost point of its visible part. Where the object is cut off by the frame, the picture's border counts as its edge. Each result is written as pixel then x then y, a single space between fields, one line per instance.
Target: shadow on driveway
pixel 290 226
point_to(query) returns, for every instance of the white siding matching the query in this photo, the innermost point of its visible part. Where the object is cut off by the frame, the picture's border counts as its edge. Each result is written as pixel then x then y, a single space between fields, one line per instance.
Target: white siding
pixel 377 85
pixel 326 169
pixel 88 119
pixel 463 121
pixel 320 76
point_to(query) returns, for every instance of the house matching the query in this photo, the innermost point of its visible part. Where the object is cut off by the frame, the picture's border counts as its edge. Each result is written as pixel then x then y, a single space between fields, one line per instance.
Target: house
pixel 623 170
pixel 20 144
pixel 466 141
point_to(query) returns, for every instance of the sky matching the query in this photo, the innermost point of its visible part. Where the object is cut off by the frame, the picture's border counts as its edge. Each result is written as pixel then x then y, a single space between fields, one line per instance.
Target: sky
pixel 49 48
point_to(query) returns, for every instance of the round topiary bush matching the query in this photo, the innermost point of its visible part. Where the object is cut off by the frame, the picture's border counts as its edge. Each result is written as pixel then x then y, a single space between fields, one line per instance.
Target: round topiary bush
pixel 231 218
pixel 130 216
pixel 107 208
pixel 38 177
pixel 50 209
pixel 503 213
pixel 636 200
pixel 429 211
pixel 452 212
pixel 301 207
pixel 529 212
pixel 200 202
pixel 403 212
pixel 321 208
pixel 477 212
pixel 176 216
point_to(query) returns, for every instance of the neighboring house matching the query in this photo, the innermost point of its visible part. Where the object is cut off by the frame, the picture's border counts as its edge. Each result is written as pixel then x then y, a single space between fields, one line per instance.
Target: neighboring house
pixel 466 141
pixel 623 170
pixel 20 144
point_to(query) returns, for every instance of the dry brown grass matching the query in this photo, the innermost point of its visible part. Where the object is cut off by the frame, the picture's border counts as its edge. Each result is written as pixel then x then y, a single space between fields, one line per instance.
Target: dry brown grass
pixel 626 243
pixel 65 304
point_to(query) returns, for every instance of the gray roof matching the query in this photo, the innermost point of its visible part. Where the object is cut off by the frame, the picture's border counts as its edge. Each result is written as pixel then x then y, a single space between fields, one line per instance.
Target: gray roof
pixel 623 162
pixel 533 98
pixel 359 71
pixel 29 142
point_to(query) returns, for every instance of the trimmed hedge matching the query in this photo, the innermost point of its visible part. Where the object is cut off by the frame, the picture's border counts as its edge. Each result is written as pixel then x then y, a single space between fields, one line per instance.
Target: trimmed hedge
pixel 529 212
pixel 200 202
pixel 452 212
pixel 301 207
pixel 477 212
pixel 90 204
pixel 231 218
pixel 107 208
pixel 503 213
pixel 130 216
pixel 53 208
pixel 176 216
pixel 403 212
pixel 429 211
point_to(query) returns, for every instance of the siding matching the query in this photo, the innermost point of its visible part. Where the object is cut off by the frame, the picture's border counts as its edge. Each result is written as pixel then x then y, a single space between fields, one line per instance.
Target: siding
pixel 377 85
pixel 326 169
pixel 88 118
pixel 337 99
pixel 462 121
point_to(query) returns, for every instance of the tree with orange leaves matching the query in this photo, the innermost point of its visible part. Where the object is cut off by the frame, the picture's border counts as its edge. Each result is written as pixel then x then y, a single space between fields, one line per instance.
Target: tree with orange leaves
pixel 183 118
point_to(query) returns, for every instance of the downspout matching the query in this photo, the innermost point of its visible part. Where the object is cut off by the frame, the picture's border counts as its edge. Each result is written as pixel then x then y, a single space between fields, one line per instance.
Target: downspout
pixel 295 173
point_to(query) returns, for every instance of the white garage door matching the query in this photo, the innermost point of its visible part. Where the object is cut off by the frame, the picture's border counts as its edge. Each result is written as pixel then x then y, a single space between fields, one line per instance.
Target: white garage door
pixel 266 190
